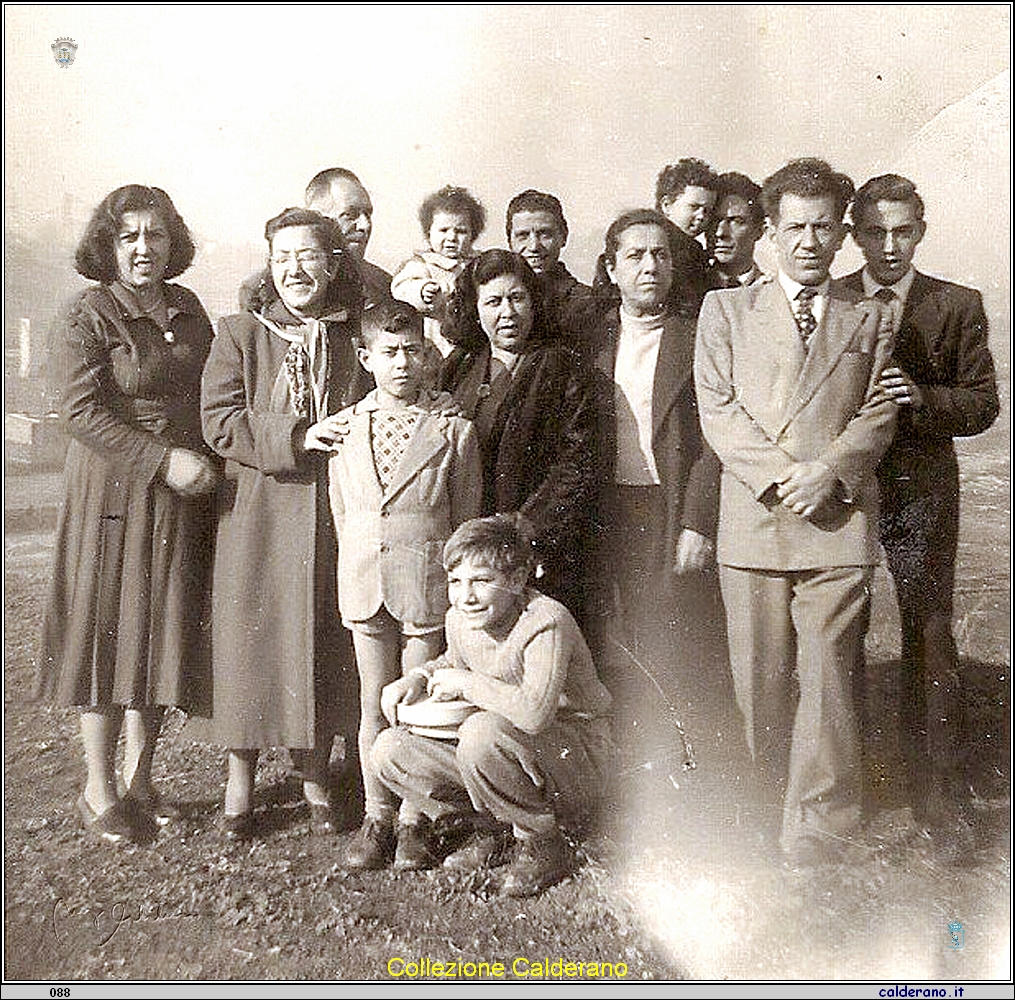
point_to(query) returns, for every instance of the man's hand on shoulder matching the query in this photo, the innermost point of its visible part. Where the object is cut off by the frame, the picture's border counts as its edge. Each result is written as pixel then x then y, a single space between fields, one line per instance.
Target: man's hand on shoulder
pixel 897 386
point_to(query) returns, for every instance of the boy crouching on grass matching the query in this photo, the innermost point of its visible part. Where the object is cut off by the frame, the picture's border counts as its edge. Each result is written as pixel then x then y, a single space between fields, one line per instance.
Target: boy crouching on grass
pixel 402 478
pixel 531 761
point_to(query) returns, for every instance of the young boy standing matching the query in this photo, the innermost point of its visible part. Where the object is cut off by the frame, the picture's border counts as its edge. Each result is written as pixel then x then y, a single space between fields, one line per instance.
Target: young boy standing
pixel 402 478
pixel 533 759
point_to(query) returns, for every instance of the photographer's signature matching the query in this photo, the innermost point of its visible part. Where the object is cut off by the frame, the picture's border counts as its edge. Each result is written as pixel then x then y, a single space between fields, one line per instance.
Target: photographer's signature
pixel 105 921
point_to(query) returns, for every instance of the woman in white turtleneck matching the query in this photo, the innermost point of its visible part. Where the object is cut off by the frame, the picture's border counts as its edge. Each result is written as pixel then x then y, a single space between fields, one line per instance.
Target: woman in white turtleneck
pixel 662 497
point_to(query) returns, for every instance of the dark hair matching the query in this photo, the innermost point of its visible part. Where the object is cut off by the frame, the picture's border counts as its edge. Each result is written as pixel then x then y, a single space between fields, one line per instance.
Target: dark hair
pixel 535 201
pixel 96 258
pixel 345 290
pixel 456 200
pixel 605 289
pixel 741 186
pixel 503 542
pixel 463 327
pixel 327 230
pixel 887 187
pixel 320 183
pixel 806 178
pixel 689 172
pixel 388 316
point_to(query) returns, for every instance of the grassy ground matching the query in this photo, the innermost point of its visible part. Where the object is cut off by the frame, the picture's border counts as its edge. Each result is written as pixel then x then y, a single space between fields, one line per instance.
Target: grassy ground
pixel 676 884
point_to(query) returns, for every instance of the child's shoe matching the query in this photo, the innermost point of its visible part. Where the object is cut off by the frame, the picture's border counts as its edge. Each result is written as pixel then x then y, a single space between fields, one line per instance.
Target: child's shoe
pixel 372 846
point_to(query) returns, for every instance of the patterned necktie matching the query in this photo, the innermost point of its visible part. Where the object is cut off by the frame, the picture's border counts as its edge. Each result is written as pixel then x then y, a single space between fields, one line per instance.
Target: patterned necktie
pixel 889 298
pixel 806 321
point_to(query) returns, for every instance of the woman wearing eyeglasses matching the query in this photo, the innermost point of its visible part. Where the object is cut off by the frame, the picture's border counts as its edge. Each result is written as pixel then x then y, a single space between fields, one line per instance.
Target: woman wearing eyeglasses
pixel 283 668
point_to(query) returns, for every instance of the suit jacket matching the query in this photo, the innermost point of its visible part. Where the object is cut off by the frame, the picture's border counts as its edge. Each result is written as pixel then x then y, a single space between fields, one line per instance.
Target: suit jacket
pixel 767 403
pixel 942 346
pixel 688 468
pixel 391 543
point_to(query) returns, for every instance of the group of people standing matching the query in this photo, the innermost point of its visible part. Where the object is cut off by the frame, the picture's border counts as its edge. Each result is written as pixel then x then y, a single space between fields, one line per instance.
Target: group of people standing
pixel 264 526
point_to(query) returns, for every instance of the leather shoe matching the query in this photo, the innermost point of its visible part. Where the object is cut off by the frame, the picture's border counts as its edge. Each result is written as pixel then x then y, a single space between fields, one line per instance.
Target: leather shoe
pixel 539 863
pixel 323 821
pixel 413 852
pixel 372 846
pixel 486 849
pixel 114 825
pixel 238 826
pixel 156 809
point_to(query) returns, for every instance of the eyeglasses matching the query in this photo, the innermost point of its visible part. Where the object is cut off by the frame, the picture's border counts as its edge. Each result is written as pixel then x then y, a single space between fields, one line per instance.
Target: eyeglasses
pixel 300 257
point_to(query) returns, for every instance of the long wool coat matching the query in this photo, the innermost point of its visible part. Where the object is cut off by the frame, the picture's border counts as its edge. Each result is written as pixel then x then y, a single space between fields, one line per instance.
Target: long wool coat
pixel 127 618
pixel 542 457
pixel 283 667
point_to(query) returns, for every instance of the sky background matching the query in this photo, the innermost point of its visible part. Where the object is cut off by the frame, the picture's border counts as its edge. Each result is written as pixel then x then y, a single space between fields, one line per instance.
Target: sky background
pixel 232 110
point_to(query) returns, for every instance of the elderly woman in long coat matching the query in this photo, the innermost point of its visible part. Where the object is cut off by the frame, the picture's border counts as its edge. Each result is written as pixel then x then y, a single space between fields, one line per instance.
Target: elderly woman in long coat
pixel 283 667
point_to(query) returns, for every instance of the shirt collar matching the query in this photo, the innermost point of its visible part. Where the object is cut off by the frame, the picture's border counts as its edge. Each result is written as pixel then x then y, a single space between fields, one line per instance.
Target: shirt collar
pixel 792 288
pixel 901 287
pixel 127 300
pixel 370 404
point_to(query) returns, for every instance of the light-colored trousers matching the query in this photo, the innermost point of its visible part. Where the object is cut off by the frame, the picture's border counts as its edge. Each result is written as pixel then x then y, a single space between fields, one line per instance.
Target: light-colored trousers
pixel 796 643
pixel 536 783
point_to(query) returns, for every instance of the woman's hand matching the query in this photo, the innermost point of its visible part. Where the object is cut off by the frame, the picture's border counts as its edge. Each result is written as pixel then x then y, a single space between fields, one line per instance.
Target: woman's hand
pixel 326 434
pixel 405 690
pixel 448 684
pixel 188 473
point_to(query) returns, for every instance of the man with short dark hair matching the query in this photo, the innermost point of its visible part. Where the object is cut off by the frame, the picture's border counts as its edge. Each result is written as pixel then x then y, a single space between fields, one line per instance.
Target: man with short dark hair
pixel 686 194
pixel 942 378
pixel 536 229
pixel 787 379
pixel 735 227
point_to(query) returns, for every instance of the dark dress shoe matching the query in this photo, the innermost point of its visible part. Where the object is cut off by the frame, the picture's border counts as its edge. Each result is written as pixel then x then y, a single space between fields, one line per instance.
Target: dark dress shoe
pixel 114 825
pixel 238 826
pixel 372 846
pixel 413 852
pixel 323 820
pixel 486 849
pixel 156 809
pixel 539 863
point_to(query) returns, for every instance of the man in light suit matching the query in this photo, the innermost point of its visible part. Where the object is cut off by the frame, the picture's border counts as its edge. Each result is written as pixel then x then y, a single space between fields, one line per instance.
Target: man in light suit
pixel 942 378
pixel 787 378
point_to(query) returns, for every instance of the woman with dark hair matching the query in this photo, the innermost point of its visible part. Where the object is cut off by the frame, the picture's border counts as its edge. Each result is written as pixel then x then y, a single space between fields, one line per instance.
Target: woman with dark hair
pixel 125 631
pixel 531 401
pixel 283 667
pixel 661 501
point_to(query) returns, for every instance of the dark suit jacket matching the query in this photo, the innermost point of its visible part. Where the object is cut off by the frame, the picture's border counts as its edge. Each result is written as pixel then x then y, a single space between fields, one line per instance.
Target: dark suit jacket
pixel 688 468
pixel 942 346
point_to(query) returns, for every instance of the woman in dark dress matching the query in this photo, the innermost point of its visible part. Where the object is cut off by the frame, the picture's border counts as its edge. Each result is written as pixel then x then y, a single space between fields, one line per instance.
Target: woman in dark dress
pixel 126 627
pixel 532 402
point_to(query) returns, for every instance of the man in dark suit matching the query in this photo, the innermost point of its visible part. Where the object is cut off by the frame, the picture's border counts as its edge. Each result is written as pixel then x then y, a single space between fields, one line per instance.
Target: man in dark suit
pixel 942 378
pixel 787 381
pixel 536 229
pixel 735 227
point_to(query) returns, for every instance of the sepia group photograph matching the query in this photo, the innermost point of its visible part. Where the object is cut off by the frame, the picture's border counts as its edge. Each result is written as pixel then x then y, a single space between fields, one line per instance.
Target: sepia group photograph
pixel 507 494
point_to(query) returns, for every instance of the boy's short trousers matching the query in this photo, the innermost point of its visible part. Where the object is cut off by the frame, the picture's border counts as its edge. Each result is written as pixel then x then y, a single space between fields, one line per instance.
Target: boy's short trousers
pixel 383 621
